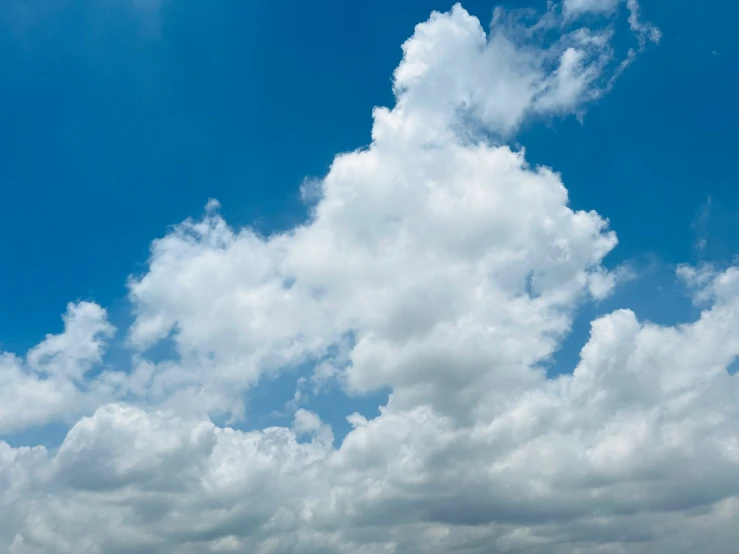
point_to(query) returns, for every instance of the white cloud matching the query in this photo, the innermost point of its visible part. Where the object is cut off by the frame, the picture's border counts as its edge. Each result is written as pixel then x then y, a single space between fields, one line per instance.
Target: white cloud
pixel 437 264
pixel 450 65
pixel 429 242
pixel 48 383
pixel 576 7
pixel 636 451
pixel 644 31
pixel 73 352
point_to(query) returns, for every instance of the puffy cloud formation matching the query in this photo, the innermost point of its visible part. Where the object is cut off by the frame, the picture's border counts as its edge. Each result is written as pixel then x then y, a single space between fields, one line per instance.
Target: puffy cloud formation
pixel 437 264
pixel 432 248
pixel 50 382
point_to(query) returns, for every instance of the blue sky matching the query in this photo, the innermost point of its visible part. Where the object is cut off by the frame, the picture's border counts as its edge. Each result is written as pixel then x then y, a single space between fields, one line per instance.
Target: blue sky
pixel 120 119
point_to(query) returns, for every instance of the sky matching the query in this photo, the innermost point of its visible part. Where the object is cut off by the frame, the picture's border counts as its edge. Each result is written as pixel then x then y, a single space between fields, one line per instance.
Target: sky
pixel 368 277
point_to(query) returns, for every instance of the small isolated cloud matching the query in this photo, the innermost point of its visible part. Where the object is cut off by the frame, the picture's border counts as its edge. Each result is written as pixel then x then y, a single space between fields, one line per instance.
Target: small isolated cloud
pixel 701 223
pixel 714 225
pixel 437 264
pixel 577 7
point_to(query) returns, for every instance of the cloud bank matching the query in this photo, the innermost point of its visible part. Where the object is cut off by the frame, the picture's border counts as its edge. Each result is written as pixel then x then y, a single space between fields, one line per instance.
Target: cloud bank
pixel 437 264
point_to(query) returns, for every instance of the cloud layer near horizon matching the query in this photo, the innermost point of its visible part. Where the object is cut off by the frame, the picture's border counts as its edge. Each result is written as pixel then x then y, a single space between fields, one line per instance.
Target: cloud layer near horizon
pixel 438 265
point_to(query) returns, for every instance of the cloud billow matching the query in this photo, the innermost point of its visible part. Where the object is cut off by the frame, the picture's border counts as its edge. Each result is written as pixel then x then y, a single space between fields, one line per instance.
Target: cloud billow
pixel 438 264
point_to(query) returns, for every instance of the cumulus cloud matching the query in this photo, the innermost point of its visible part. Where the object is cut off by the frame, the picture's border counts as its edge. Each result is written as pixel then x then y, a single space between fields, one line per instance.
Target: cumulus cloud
pixel 49 382
pixel 439 265
pixel 432 241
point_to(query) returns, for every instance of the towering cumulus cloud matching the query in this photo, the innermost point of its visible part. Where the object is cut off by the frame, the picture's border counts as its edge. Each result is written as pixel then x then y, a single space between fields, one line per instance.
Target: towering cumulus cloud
pixel 438 265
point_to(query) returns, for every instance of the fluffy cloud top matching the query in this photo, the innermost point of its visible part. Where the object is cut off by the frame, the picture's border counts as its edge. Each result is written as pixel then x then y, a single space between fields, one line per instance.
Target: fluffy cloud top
pixel 438 264
pixel 49 383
